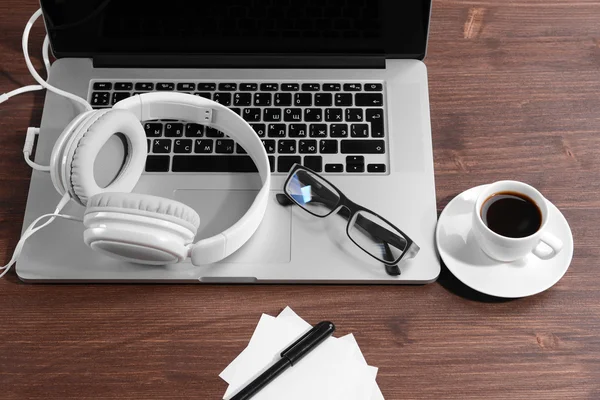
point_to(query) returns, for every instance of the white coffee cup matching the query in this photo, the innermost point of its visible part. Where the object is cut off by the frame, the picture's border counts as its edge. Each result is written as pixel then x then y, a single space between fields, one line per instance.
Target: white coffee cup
pixel 542 243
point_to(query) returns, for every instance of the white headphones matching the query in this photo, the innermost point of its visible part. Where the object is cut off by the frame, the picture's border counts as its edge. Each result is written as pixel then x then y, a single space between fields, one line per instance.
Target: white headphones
pixel 142 228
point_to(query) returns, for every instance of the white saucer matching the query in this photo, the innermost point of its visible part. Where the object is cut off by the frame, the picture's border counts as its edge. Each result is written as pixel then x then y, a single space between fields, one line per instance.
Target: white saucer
pixel 474 268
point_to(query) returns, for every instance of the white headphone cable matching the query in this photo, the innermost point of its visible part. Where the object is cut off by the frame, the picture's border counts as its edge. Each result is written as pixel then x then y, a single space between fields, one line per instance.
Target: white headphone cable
pixel 37 76
pixel 31 229
pixel 32 88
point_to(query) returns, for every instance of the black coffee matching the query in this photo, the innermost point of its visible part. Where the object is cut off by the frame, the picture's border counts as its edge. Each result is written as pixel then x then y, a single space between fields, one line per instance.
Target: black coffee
pixel 511 214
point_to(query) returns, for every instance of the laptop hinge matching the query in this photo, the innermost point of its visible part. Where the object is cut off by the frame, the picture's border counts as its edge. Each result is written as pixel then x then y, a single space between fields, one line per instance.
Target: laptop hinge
pixel 239 61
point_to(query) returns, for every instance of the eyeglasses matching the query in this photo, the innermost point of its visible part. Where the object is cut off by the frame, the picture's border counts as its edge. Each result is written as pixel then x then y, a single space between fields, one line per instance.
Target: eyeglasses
pixel 372 233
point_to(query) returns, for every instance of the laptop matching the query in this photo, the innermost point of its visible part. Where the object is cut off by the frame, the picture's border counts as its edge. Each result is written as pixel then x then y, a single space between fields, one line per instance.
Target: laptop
pixel 336 85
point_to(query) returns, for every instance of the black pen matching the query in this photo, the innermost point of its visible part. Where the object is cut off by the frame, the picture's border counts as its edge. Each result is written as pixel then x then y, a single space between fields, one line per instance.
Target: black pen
pixel 289 357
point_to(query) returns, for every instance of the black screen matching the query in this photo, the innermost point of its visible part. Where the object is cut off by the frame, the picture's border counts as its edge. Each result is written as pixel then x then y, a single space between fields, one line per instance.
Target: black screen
pixel 395 28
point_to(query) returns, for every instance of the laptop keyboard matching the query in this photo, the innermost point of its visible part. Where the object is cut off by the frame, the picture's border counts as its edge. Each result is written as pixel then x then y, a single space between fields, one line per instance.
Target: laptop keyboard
pixel 330 127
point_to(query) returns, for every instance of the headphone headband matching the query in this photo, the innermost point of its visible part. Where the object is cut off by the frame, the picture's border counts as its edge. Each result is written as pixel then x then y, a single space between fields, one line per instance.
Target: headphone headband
pixel 191 108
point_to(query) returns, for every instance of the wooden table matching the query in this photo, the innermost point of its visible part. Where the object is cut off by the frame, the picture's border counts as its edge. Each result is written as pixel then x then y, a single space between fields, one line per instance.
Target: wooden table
pixel 515 93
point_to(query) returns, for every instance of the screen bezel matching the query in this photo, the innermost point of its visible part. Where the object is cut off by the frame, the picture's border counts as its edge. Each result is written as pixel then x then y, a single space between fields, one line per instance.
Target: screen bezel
pixel 192 58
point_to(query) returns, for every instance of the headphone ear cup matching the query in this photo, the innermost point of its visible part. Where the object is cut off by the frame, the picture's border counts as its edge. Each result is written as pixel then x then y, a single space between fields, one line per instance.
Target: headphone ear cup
pixel 75 159
pixel 140 228
pixel 57 157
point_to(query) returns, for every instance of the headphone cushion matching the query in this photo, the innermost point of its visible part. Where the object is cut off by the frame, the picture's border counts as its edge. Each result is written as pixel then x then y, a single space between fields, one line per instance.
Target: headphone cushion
pixel 145 205
pixel 104 124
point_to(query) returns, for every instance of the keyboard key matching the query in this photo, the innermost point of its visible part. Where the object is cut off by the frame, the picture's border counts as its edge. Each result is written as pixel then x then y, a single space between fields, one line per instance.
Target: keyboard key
pixel 277 130
pixel 303 99
pixel 118 96
pixel 173 130
pixel 283 99
pixel 328 147
pixel 269 87
pixel 207 86
pixel 102 85
pixel 355 168
pixel 318 130
pixel 290 87
pixel 242 99
pixel 144 86
pixel 148 145
pixel 298 130
pixel 260 129
pixel 376 168
pixel 229 87
pixel 262 99
pixel 248 87
pixel 363 146
pixel 311 87
pixel 183 146
pixel 251 114
pixel 206 95
pixel 354 115
pixel 186 87
pixel 359 130
pixel 100 98
pixel 343 99
pixel 377 130
pixel 222 98
pixel 236 110
pixel 153 129
pixel 224 146
pixel 272 163
pixel 352 87
pixel 161 146
pixel 272 114
pixel 269 145
pixel 323 99
pixel 355 164
pixel 338 130
pixel 220 163
pixel 292 114
pixel 313 115
pixel 286 147
pixel 314 162
pixel 194 130
pixel 374 115
pixel 369 99
pixel 285 163
pixel 332 87
pixel 334 115
pixel 157 163
pixel 163 86
pixel 373 87
pixel 123 86
pixel 213 133
pixel 308 146
pixel 203 146
pixel 240 150
pixel 334 168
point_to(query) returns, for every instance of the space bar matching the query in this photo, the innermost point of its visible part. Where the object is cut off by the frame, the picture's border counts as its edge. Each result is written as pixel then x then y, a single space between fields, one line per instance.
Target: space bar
pixel 205 163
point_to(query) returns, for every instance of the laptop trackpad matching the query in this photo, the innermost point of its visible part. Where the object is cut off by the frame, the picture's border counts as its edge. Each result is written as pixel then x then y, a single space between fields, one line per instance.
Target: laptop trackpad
pixel 220 209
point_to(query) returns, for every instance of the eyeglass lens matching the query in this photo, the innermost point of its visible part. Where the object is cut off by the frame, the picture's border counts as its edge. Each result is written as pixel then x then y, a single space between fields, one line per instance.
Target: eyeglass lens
pixel 377 237
pixel 312 193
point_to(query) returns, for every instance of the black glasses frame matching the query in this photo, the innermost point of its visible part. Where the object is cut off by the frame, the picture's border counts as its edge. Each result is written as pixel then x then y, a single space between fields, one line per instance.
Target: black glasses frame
pixel 352 208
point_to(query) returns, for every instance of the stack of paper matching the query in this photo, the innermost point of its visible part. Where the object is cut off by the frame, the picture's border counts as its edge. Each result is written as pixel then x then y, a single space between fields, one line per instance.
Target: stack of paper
pixel 336 369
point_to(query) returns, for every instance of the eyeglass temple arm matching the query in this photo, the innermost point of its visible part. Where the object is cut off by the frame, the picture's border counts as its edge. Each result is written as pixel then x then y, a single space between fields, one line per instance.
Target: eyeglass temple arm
pixel 374 229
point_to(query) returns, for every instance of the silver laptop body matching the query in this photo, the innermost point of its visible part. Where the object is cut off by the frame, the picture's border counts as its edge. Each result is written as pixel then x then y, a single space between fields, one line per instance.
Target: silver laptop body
pixel 291 246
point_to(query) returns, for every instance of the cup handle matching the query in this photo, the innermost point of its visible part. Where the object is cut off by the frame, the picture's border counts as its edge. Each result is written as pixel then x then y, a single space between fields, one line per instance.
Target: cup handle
pixel 548 247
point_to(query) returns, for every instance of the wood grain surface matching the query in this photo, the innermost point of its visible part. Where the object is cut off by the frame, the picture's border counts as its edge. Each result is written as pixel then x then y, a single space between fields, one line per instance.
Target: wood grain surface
pixel 515 94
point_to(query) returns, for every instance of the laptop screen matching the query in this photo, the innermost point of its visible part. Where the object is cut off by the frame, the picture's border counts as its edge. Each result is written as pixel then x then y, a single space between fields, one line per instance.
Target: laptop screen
pixel 394 28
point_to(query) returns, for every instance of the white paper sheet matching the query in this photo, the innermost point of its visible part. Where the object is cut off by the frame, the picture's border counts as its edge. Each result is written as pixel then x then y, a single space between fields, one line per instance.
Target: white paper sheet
pixel 335 370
